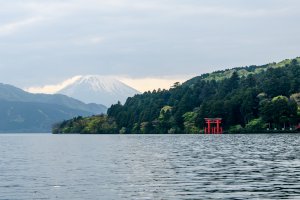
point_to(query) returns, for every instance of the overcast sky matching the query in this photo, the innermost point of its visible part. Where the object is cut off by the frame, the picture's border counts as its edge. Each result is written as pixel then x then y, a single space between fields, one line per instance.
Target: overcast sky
pixel 47 41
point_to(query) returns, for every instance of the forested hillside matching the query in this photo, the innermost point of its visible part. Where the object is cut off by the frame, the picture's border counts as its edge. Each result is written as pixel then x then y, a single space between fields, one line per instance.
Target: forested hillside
pixel 248 99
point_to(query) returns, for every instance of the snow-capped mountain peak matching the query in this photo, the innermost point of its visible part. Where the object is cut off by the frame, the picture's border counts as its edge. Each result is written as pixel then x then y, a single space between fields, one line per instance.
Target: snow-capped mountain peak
pixel 99 83
pixel 98 89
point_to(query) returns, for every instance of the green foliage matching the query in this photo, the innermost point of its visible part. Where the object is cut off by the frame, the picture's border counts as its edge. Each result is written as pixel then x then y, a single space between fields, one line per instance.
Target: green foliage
pixel 146 128
pixel 190 122
pixel 123 130
pixel 296 97
pixel 165 113
pixel 236 129
pixel 100 124
pixel 172 131
pixel 279 110
pixel 256 125
pixel 250 70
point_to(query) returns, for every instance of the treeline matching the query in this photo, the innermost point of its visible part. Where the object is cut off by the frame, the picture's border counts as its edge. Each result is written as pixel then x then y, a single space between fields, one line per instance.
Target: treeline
pixel 253 102
pixel 267 100
pixel 100 124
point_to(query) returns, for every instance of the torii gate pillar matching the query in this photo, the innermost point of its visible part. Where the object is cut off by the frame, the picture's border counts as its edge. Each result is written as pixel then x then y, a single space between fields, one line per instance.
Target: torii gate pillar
pixel 215 129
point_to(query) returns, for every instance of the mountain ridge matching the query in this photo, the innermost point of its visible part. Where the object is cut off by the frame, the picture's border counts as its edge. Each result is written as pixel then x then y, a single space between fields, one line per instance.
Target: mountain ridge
pixel 12 93
pixel 242 71
pixel 22 111
pixel 96 89
pixel 33 117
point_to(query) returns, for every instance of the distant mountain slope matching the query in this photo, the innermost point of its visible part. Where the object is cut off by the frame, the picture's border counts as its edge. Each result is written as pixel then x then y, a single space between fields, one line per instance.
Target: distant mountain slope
pixel 99 89
pixel 242 71
pixel 23 117
pixel 11 93
pixel 21 111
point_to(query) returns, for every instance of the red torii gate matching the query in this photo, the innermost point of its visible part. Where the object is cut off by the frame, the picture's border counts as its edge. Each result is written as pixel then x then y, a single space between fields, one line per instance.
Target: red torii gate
pixel 213 129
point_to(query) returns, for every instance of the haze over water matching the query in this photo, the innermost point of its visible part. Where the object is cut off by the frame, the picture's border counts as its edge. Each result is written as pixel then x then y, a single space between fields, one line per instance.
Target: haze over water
pixel 38 166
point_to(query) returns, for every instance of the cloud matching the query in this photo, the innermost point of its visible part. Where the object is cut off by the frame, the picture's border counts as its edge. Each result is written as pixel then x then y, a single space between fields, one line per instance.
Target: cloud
pixel 140 84
pixel 12 27
pixel 92 40
pixel 153 83
pixel 54 39
pixel 51 89
pixel 31 13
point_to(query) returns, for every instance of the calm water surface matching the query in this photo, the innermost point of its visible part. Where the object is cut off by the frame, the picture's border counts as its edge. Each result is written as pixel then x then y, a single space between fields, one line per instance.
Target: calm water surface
pixel 149 166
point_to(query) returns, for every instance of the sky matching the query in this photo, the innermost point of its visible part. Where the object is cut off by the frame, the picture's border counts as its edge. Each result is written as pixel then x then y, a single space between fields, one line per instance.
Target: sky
pixel 146 43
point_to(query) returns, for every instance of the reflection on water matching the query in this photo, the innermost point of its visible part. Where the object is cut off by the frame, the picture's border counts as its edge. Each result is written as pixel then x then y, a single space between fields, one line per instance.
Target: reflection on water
pixel 150 166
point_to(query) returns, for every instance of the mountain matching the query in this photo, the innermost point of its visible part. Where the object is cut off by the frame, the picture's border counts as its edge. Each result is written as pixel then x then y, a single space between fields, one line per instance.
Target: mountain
pixel 21 111
pixel 248 99
pixel 12 93
pixel 99 89
pixel 253 99
pixel 33 117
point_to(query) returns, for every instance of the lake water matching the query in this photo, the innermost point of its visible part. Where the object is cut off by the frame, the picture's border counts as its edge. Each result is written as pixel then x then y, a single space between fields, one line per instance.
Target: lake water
pixel 44 166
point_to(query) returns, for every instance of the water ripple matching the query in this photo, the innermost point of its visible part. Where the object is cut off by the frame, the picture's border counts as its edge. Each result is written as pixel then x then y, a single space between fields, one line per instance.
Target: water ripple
pixel 150 166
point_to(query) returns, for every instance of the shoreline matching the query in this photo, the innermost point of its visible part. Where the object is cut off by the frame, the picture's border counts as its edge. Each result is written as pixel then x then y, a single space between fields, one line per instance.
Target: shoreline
pixel 244 133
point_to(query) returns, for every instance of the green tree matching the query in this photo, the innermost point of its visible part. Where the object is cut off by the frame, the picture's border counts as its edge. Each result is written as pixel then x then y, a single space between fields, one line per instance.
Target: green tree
pixel 256 125
pixel 190 122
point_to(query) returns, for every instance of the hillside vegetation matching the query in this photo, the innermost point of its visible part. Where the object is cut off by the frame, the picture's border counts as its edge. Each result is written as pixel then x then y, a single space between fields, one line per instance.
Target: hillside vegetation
pixel 100 124
pixel 249 99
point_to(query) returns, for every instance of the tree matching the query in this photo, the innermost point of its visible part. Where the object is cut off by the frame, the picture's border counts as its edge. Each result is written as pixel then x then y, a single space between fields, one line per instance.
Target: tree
pixel 256 125
pixel 176 84
pixel 280 110
pixel 190 122
pixel 146 128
